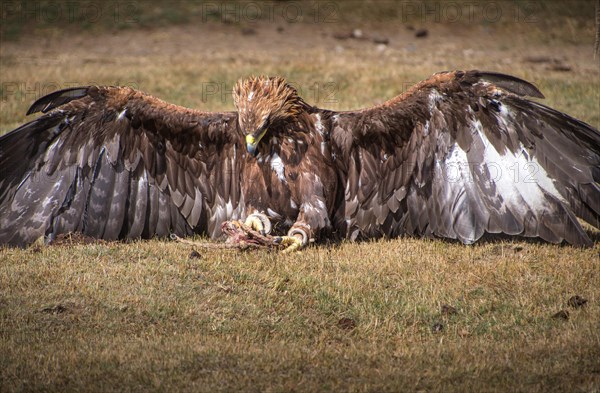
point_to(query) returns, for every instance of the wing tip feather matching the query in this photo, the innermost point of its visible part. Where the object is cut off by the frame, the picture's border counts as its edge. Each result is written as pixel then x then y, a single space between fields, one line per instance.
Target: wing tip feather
pixel 510 83
pixel 56 99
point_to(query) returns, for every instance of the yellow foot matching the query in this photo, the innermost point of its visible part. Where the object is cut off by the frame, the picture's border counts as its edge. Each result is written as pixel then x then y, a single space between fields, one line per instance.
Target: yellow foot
pixel 292 243
pixel 259 222
pixel 297 238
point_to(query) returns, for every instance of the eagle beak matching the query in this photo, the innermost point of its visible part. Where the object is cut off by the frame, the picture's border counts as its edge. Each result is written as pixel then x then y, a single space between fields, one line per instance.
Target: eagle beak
pixel 252 142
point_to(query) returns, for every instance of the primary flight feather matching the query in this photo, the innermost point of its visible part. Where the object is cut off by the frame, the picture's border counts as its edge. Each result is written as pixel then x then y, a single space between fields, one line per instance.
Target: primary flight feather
pixel 458 155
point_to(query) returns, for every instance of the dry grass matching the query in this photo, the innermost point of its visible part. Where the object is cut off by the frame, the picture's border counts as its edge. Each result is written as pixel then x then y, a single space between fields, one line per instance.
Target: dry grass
pixel 147 317
pixel 144 316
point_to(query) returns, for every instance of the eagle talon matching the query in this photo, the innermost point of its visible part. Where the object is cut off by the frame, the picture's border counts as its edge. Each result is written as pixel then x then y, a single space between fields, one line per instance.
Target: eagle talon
pixel 259 222
pixel 296 239
pixel 292 243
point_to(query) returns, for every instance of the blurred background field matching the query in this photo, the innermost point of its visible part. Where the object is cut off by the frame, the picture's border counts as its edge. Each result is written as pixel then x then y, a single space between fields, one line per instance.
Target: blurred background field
pixel 387 315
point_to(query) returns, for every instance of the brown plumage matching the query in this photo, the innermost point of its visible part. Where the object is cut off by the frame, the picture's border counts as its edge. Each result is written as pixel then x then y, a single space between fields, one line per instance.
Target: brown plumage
pixel 458 155
pixel 262 99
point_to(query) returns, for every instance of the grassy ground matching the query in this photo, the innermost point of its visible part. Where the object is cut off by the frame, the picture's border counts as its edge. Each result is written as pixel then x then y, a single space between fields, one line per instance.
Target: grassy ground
pixel 394 315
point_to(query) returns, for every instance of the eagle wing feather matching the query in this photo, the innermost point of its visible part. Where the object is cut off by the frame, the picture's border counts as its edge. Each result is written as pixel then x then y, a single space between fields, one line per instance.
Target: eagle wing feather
pixel 112 163
pixel 462 154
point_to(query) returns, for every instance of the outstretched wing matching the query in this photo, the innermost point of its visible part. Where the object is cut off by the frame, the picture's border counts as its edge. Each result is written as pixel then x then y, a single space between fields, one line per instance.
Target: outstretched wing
pixel 115 163
pixel 462 154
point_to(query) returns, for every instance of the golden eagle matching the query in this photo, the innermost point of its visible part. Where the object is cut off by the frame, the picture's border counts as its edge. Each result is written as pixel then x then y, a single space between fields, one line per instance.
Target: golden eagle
pixel 456 156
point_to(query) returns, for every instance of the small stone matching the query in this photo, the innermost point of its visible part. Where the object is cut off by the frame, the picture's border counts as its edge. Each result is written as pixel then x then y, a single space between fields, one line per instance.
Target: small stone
pixel 346 324
pixel 421 33
pixel 562 314
pixel 437 327
pixel 448 310
pixel 357 33
pixel 381 40
pixel 577 301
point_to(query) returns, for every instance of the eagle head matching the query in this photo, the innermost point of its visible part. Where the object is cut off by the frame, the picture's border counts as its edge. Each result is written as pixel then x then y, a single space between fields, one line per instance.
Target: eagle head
pixel 262 102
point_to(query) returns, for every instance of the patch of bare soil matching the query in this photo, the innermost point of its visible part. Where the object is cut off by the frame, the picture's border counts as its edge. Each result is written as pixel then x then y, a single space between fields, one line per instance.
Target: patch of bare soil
pixel 465 44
